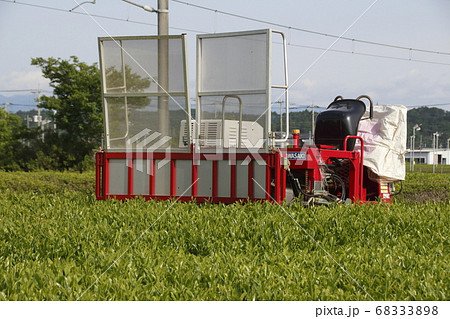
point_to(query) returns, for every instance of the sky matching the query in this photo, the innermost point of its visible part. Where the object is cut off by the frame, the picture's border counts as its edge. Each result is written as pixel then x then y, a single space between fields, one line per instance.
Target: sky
pixel 320 67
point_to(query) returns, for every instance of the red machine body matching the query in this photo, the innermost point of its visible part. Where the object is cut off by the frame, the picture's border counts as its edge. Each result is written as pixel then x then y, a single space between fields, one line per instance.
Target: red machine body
pixel 238 147
pixel 307 164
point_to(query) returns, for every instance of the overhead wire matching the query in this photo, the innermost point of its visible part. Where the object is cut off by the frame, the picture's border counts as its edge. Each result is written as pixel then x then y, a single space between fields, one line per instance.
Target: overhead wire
pixel 24 90
pixel 19 104
pixel 94 15
pixel 310 31
pixel 369 54
pixel 260 21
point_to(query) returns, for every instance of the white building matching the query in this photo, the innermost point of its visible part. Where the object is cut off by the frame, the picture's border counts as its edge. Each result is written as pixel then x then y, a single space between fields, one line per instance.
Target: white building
pixel 429 156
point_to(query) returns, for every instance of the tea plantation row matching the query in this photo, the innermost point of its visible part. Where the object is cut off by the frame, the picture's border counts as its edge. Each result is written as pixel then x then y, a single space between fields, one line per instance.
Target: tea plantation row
pixel 58 243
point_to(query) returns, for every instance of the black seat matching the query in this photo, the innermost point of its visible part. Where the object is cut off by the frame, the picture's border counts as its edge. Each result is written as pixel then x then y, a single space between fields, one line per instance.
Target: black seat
pixel 340 119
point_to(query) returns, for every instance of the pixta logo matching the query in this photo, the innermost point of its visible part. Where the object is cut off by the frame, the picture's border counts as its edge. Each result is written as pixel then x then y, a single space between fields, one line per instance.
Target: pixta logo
pixel 148 142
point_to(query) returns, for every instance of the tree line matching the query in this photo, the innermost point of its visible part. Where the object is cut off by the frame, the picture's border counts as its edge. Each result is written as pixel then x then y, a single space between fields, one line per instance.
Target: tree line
pixel 76 110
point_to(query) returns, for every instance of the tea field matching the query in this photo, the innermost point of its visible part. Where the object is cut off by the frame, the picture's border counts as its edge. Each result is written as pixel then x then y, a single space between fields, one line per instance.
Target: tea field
pixel 58 243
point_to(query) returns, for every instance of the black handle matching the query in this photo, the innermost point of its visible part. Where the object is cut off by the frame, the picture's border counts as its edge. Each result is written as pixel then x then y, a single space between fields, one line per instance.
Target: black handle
pixel 371 104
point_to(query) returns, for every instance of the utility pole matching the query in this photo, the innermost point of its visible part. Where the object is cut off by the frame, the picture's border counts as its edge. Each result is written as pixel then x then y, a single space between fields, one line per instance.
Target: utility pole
pixel 434 137
pixel 411 152
pixel 6 106
pixel 39 120
pixel 163 62
pixel 413 146
pixel 420 149
pixel 435 145
pixel 39 106
pixel 38 91
pixel 163 67
pixel 437 140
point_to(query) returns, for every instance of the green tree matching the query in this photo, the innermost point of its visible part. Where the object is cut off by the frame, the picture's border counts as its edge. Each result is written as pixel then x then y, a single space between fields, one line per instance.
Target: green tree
pixel 135 82
pixel 11 129
pixel 77 104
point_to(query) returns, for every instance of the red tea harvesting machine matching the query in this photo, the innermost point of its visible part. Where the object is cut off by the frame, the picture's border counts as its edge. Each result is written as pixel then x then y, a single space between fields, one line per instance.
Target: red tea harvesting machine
pixel 239 147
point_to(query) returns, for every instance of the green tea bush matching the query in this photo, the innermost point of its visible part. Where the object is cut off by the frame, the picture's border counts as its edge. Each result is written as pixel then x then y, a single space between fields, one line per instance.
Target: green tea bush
pixel 47 182
pixel 59 243
pixel 422 187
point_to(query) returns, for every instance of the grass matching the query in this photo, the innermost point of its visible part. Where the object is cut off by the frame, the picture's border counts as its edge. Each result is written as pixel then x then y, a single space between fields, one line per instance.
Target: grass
pixel 56 241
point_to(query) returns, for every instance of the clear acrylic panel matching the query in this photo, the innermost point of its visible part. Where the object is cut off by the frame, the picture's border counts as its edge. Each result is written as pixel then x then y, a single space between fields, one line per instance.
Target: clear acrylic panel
pixel 141 65
pixel 253 107
pixel 116 119
pixel 135 120
pixel 234 63
pixel 112 67
pixel 252 111
pixel 140 111
pixel 139 62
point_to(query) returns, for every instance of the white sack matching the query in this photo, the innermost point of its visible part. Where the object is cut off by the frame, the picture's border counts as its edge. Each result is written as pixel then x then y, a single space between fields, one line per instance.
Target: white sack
pixel 385 142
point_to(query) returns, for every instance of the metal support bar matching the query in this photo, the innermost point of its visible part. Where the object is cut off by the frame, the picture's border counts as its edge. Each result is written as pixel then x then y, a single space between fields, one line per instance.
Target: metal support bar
pixel 240 118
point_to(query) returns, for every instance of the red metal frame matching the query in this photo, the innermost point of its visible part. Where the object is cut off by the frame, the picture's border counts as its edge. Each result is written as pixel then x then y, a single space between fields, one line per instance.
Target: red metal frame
pixel 130 177
pixel 250 179
pixel 194 180
pixel 215 174
pixel 315 156
pixel 151 186
pixel 274 170
pixel 233 179
pixel 173 179
pixel 99 175
pixel 275 173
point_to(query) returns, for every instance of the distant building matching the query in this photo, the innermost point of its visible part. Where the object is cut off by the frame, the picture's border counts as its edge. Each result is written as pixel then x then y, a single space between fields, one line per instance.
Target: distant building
pixel 428 156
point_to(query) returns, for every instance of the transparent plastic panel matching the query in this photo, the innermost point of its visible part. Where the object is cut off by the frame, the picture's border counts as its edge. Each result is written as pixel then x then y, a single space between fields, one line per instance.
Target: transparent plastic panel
pixel 176 66
pixel 116 119
pixel 139 62
pixel 251 108
pixel 141 65
pixel 144 105
pixel 134 122
pixel 112 67
pixel 177 113
pixel 234 63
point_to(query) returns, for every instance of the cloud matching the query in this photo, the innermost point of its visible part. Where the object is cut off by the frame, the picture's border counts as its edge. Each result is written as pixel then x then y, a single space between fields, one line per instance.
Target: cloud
pixel 412 87
pixel 309 84
pixel 23 80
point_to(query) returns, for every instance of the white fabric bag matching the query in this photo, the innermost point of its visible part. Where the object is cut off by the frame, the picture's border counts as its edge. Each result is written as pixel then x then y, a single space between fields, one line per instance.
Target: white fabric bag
pixel 385 142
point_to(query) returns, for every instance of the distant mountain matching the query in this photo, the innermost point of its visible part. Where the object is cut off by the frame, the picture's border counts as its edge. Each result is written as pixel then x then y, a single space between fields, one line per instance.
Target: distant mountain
pixel 432 120
pixel 20 102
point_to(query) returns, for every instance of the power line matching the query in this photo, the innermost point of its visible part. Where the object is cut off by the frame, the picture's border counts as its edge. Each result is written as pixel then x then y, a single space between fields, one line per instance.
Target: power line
pixel 16 90
pixel 18 104
pixel 24 90
pixel 95 15
pixel 257 20
pixel 368 54
pixel 310 31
